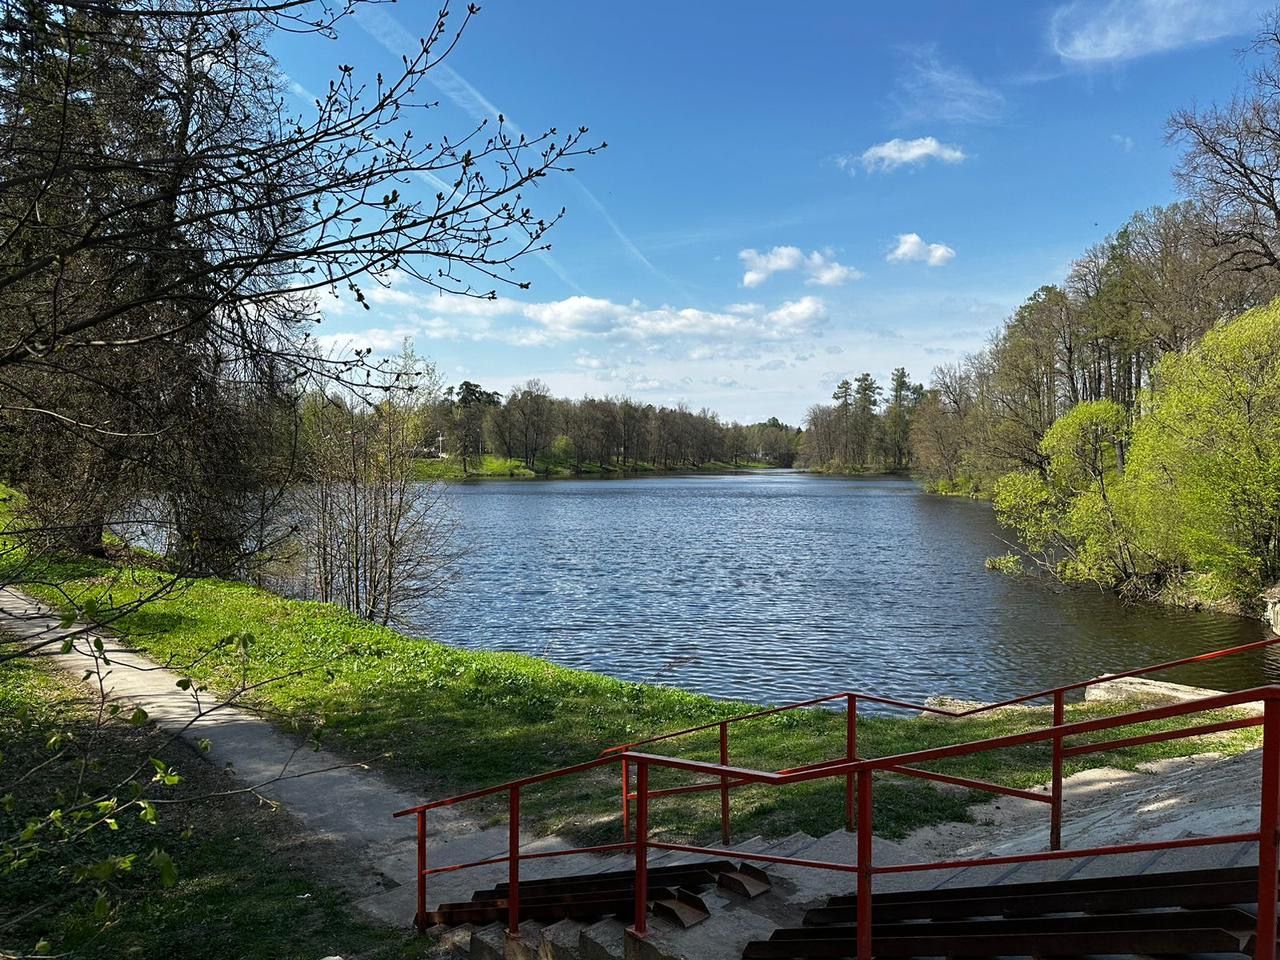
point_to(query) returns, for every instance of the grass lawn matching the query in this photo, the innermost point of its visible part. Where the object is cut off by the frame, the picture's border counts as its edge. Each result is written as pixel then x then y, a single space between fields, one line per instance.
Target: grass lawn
pixel 491 467
pixel 242 886
pixel 445 720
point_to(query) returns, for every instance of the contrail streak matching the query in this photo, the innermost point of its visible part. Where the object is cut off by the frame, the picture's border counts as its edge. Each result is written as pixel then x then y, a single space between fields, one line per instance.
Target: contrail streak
pixel 550 262
pixel 394 37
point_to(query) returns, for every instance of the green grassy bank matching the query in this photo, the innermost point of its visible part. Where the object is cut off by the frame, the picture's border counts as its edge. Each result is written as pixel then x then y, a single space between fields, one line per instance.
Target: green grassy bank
pixel 443 720
pixel 490 467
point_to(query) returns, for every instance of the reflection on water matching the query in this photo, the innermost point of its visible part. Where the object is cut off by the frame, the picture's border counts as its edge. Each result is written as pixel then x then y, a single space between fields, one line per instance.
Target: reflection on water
pixel 782 586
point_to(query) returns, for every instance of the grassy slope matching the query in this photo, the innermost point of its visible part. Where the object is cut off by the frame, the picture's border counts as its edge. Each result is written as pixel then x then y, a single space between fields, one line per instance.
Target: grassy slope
pixel 242 887
pixel 450 720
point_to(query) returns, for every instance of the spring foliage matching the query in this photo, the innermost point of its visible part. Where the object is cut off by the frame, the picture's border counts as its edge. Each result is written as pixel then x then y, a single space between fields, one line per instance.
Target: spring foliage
pixel 1191 481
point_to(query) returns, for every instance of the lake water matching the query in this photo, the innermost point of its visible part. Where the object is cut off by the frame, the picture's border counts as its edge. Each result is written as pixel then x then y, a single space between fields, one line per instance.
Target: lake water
pixel 782 586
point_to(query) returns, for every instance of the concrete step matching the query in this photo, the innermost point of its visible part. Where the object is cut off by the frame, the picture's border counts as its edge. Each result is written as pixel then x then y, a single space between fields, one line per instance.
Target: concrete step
pixel 526 945
pixel 732 923
pixel 573 940
pixel 790 846
pixel 489 942
pixel 619 861
pixel 1206 858
pixel 603 940
pixel 450 941
pixel 561 940
pixel 1119 865
pixel 803 886
pixel 979 875
pixel 1043 871
pixel 749 845
pixel 756 844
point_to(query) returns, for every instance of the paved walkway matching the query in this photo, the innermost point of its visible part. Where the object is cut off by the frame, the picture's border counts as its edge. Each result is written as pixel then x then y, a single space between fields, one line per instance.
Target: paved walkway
pixel 330 797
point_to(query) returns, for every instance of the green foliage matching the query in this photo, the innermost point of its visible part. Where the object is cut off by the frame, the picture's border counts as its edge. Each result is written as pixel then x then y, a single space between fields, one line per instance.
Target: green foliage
pixel 961 486
pixel 1082 445
pixel 206 881
pixel 562 452
pixel 485 467
pixel 1206 457
pixel 1075 516
pixel 1199 492
pixel 1025 503
pixel 1008 563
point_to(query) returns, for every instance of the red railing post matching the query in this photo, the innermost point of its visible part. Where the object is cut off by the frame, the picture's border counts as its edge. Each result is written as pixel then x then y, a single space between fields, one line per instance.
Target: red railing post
pixel 513 863
pixel 639 925
pixel 724 784
pixel 626 798
pixel 420 918
pixel 1055 795
pixel 850 753
pixel 1268 833
pixel 865 866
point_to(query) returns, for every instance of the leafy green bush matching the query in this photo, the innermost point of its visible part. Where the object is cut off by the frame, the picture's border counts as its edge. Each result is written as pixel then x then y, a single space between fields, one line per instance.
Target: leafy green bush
pixel 1206 456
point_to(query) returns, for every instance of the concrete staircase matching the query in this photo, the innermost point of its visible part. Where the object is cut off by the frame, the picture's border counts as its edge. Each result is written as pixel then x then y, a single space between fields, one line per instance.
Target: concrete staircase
pixel 733 919
pixel 1183 799
pixel 735 922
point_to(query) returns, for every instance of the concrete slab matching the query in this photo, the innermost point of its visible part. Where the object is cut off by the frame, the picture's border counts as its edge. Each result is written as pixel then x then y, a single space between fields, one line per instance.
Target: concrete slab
pixel 561 940
pixel 603 941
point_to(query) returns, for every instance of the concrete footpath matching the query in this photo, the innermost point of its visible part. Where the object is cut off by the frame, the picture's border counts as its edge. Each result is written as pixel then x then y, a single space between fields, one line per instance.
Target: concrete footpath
pixel 332 798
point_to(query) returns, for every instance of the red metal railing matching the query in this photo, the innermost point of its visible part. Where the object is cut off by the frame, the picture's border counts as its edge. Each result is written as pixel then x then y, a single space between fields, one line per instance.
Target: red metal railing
pixel 859 773
pixel 851 699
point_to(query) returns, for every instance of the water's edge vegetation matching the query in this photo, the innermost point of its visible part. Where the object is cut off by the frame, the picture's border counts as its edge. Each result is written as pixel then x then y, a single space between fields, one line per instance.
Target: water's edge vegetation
pixel 444 719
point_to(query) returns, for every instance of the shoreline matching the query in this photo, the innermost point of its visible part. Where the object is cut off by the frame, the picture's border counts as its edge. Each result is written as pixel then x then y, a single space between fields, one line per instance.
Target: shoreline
pixel 719 470
pixel 424 473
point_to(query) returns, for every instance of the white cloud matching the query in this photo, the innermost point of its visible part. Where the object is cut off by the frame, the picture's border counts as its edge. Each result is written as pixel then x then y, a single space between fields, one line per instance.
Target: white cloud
pixel 574 317
pixel 898 152
pixel 378 339
pixel 824 271
pixel 797 316
pixel 821 267
pixel 761 266
pixel 911 247
pixel 931 90
pixel 1115 30
pixel 582 319
pixel 1123 142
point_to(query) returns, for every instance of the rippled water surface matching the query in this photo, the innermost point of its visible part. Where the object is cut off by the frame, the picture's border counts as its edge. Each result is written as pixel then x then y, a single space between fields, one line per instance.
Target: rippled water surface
pixel 782 586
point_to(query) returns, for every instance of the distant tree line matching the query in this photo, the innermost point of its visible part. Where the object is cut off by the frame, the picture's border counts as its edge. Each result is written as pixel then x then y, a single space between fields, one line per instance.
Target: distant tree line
pixel 864 430
pixel 544 433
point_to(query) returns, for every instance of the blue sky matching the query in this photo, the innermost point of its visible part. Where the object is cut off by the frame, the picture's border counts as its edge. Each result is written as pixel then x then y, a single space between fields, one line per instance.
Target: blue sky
pixel 792 193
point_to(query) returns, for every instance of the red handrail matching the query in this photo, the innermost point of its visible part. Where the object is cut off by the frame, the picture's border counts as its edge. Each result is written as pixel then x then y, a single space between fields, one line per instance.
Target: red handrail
pixel 852 698
pixel 1221 701
pixel 942 711
pixel 857 773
